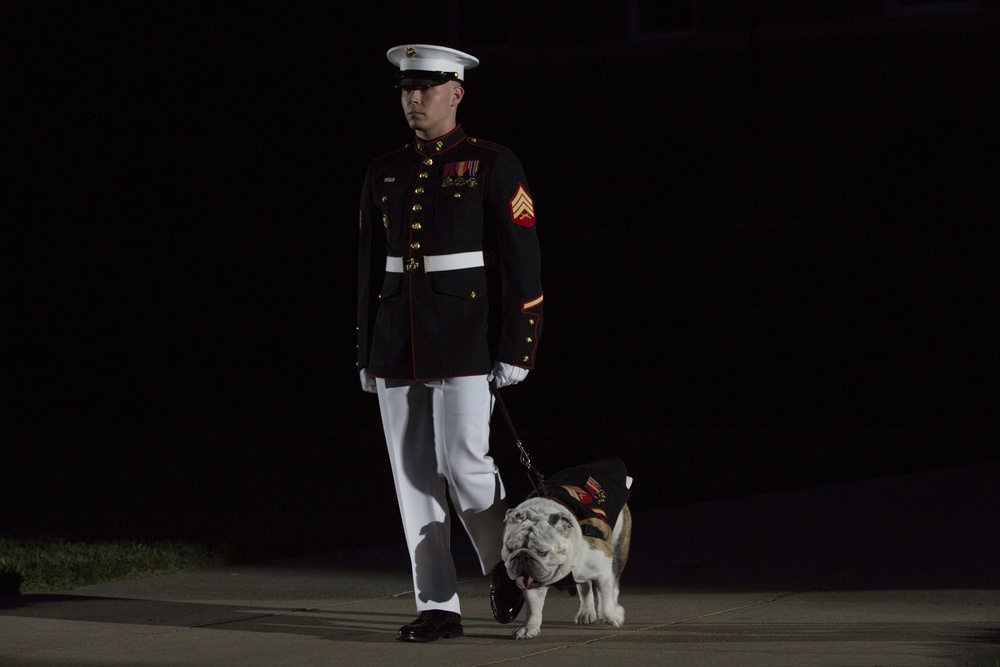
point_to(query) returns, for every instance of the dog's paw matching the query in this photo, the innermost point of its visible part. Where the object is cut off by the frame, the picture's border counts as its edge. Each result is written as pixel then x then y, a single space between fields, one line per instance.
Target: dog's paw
pixel 586 617
pixel 616 618
pixel 525 632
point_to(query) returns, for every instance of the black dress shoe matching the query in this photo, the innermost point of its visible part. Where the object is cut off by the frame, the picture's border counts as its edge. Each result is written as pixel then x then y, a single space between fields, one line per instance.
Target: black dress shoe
pixel 506 598
pixel 430 625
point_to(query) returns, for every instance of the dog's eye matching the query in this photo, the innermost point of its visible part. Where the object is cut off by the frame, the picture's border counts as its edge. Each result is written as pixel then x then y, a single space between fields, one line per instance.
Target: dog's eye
pixel 543 554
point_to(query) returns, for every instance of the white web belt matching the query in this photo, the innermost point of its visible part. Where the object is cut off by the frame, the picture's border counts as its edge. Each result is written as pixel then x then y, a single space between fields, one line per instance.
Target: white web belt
pixel 430 263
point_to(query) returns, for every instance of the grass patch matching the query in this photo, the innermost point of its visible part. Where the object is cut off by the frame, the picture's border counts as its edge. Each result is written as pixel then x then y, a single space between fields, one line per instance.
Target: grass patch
pixel 46 565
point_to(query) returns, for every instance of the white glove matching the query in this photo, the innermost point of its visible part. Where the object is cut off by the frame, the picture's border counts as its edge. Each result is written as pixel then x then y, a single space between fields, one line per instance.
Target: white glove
pixel 367 382
pixel 505 374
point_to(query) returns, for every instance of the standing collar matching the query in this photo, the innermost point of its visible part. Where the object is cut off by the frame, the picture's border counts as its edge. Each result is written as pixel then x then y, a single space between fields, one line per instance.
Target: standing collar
pixel 441 144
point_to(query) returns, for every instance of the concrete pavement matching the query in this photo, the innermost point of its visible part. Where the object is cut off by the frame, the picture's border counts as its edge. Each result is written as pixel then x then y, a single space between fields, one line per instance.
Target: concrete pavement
pixel 890 571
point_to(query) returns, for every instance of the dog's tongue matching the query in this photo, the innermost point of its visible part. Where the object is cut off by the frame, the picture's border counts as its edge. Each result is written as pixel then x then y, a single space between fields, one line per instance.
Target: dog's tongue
pixel 524 581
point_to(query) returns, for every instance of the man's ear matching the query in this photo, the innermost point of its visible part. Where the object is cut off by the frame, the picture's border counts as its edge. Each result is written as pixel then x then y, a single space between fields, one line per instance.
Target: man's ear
pixel 457 93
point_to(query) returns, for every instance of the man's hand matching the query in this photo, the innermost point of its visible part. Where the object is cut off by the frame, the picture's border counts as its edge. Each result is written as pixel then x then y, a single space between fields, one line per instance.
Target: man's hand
pixel 367 382
pixel 505 374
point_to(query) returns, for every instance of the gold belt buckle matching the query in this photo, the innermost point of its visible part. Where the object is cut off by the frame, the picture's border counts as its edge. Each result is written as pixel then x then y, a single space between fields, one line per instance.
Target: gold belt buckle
pixel 411 264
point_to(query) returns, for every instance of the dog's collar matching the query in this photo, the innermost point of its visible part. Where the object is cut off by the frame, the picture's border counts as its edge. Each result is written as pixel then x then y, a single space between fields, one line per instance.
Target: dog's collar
pixel 591 531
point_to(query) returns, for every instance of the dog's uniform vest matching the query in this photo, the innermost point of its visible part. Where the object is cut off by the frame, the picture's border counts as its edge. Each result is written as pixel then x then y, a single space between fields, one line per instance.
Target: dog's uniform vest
pixel 595 493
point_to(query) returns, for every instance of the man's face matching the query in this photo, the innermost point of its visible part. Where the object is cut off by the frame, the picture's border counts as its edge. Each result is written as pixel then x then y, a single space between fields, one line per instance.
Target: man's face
pixel 430 111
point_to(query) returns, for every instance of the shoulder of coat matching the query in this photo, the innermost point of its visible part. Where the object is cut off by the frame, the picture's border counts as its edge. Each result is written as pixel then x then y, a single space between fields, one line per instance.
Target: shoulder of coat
pixel 487 145
pixel 391 154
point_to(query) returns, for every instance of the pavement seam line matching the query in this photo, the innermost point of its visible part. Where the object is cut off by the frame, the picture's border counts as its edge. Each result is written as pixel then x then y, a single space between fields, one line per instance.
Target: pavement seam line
pixel 749 605
pixel 635 631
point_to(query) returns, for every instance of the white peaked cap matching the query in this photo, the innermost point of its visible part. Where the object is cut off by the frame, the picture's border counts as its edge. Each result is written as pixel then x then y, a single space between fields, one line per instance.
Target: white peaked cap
pixel 429 58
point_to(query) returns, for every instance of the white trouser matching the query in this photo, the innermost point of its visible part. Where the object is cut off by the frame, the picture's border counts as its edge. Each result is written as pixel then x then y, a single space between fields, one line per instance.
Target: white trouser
pixel 437 433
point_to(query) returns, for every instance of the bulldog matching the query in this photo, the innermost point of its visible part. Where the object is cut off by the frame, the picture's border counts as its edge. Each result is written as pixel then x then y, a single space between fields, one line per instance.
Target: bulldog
pixel 575 531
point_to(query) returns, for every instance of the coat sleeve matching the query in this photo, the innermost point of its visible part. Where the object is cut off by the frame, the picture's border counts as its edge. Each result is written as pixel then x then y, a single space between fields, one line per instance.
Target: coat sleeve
pixel 371 269
pixel 512 211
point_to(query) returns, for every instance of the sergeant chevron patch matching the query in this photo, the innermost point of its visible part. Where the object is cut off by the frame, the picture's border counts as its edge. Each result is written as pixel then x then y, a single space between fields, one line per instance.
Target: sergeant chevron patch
pixel 522 209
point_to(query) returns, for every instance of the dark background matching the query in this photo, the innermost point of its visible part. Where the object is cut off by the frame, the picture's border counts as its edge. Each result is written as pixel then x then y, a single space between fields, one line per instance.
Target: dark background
pixel 768 231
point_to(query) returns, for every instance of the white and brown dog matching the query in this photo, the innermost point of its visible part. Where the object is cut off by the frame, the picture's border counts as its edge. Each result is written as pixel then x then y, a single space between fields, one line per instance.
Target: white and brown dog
pixel 577 529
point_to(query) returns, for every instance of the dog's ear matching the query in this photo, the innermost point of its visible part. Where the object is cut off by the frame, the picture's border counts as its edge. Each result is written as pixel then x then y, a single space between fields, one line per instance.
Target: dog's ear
pixel 561 523
pixel 515 516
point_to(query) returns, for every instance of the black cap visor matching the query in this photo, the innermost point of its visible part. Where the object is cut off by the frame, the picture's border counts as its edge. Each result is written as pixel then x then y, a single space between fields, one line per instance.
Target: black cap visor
pixel 418 78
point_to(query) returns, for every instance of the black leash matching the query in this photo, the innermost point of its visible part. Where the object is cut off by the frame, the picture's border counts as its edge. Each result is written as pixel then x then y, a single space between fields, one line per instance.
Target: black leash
pixel 534 475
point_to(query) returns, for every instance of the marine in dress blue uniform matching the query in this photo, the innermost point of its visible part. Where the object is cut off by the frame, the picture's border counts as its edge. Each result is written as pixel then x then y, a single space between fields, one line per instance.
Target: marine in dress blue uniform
pixel 449 298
